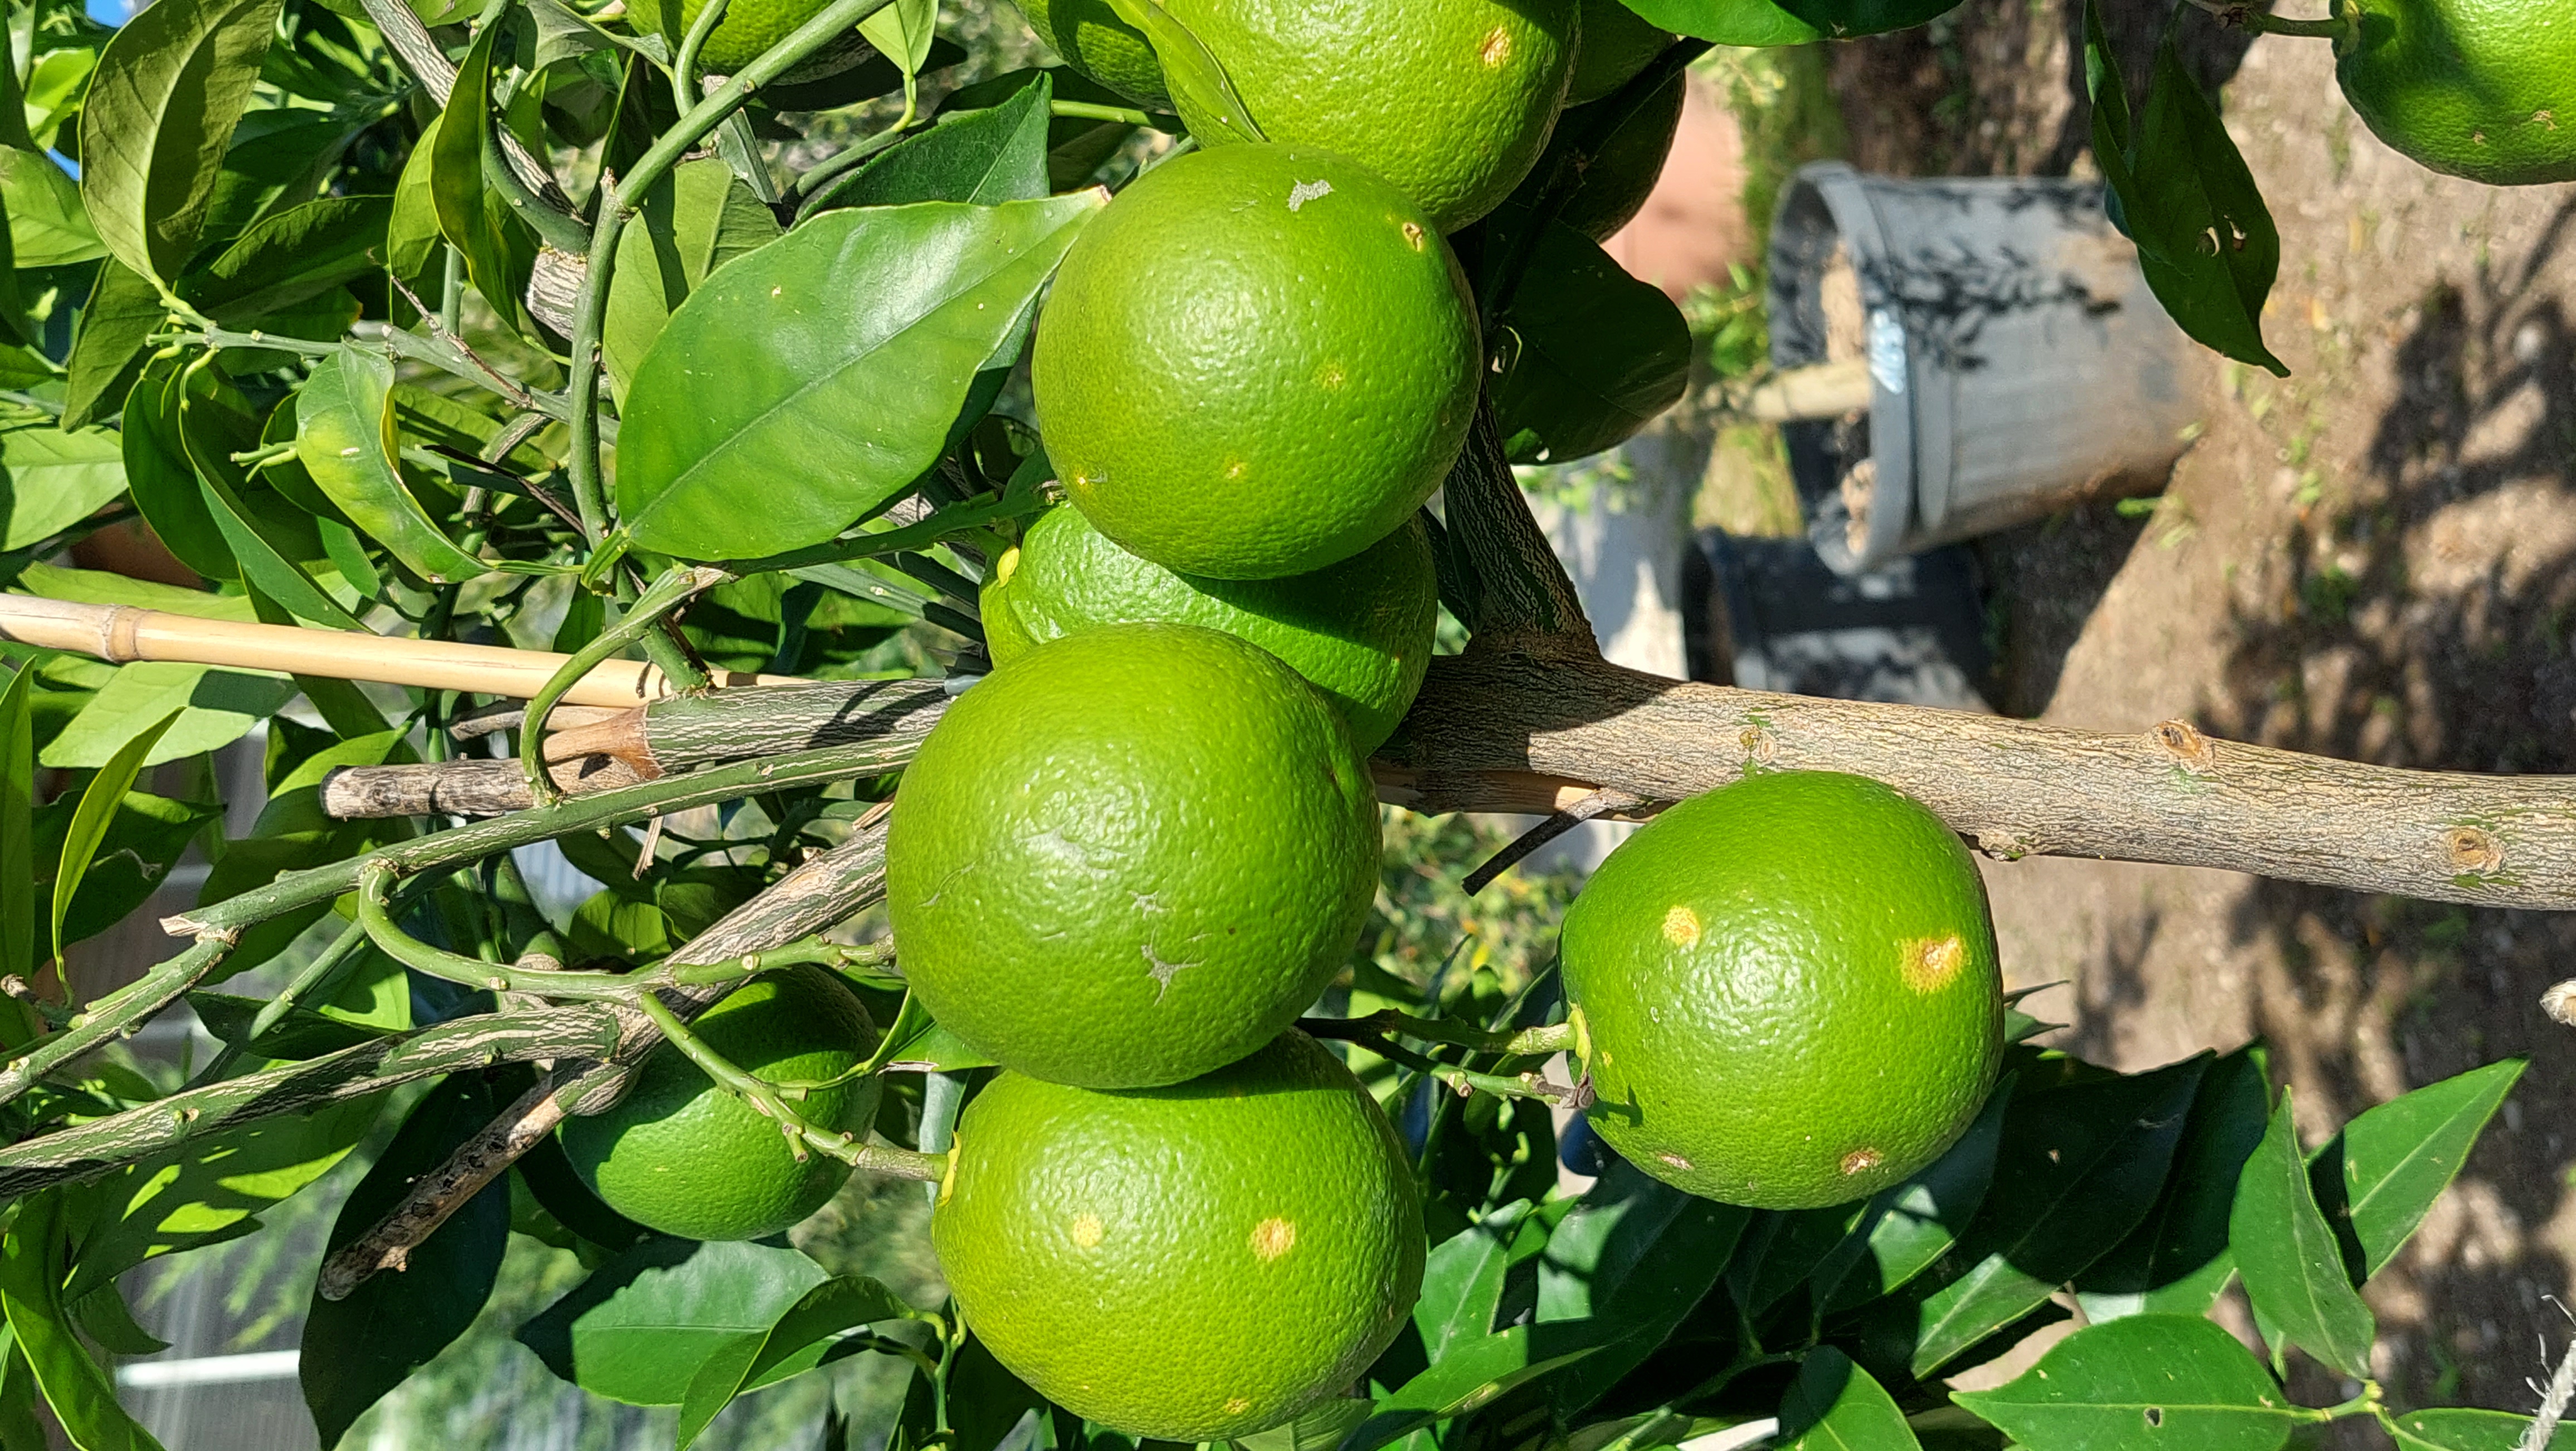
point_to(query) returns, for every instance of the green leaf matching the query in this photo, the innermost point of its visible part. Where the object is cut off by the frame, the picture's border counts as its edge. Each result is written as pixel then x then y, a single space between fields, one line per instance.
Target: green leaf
pixel 302 1033
pixel 292 257
pixel 1834 1406
pixel 267 534
pixel 986 156
pixel 80 1392
pixel 2206 242
pixel 1790 22
pixel 1587 355
pixel 345 437
pixel 499 253
pixel 2079 1167
pixel 2145 1382
pixel 148 834
pixel 2176 1260
pixel 48 226
pixel 211 1189
pixel 2378 1178
pixel 902 32
pixel 357 1349
pixel 216 708
pixel 55 480
pixel 98 804
pixel 108 350
pixel 104 1317
pixel 411 229
pixel 17 844
pixel 171 85
pixel 1905 1229
pixel 1629 1263
pixel 1200 88
pixel 638 1329
pixel 98 587
pixel 1473 1376
pixel 1320 1429
pixel 796 1343
pixel 2292 1268
pixel 1462 1279
pixel 839 356
pixel 697 220
pixel 2461 1429
pixel 163 481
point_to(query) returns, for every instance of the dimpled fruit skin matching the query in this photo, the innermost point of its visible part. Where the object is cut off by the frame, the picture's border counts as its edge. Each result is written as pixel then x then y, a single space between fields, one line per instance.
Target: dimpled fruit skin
pixel 748 28
pixel 687 1158
pixel 2484 89
pixel 1451 100
pixel 1192 1263
pixel 1257 362
pixel 1360 631
pixel 1096 43
pixel 1617 43
pixel 1788 991
pixel 1132 857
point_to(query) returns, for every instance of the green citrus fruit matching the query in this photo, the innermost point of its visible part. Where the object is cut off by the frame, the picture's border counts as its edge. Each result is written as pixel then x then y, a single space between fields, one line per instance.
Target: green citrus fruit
pixel 1449 99
pixel 1617 43
pixel 1192 1263
pixel 1132 857
pixel 683 1156
pixel 1095 42
pixel 1260 360
pixel 1786 991
pixel 2484 89
pixel 750 27
pixel 1360 631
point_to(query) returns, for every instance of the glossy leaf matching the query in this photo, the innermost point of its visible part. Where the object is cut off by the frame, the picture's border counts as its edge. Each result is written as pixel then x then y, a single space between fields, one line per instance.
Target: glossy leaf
pixel 1462 1278
pixel 163 482
pixel 2456 1428
pixel 1587 355
pixel 2379 1177
pixel 796 1343
pixel 2079 1167
pixel 81 1392
pixel 1197 80
pixel 638 1329
pixel 211 1189
pixel 1834 1406
pixel 1789 22
pixel 692 224
pixel 902 32
pixel 2292 1268
pixel 170 87
pixel 55 480
pixel 97 811
pixel 499 253
pixel 1473 1375
pixel 148 834
pixel 2206 241
pixel 357 1349
pixel 216 708
pixel 292 257
pixel 108 348
pixel 267 541
pixel 1628 1264
pixel 345 438
pixel 2143 1383
pixel 838 356
pixel 990 155
pixel 1320 1429
pixel 106 1319
pixel 1905 1229
pixel 2177 1260
pixel 17 843
pixel 48 226
pixel 99 587
pixel 411 228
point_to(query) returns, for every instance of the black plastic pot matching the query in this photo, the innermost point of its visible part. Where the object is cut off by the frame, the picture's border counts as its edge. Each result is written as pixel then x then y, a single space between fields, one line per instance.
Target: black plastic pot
pixel 2017 361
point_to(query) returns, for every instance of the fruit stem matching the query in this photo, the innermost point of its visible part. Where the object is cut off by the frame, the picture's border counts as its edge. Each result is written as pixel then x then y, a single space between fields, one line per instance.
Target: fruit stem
pixel 684 70
pixel 764 1099
pixel 2242 14
pixel 474 972
pixel 1088 111
pixel 1527 1043
pixel 1465 1081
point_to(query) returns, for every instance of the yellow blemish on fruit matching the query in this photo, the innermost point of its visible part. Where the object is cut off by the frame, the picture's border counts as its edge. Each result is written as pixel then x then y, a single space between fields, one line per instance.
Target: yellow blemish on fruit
pixel 1413 235
pixel 1681 927
pixel 1498 46
pixel 1086 1231
pixel 1861 1161
pixel 1006 566
pixel 1676 1160
pixel 1273 1237
pixel 948 1175
pixel 1929 963
pixel 1331 375
pixel 1238 1405
pixel 1236 469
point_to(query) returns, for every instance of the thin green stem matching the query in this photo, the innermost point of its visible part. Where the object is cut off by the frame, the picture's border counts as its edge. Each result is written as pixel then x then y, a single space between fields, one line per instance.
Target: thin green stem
pixel 1088 111
pixel 956 520
pixel 318 976
pixel 411 952
pixel 824 178
pixel 1386 1022
pixel 1464 1081
pixel 764 1099
pixel 115 1015
pixel 684 72
pixel 668 593
pixel 2337 28
pixel 618 201
pixel 451 288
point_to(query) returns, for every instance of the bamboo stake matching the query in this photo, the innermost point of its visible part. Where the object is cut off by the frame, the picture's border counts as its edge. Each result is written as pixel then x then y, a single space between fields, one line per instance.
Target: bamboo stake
pixel 1825 390
pixel 122 633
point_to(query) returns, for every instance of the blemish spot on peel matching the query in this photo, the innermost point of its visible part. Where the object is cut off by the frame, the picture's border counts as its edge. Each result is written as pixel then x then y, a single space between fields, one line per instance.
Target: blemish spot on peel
pixel 1273 1237
pixel 1929 963
pixel 1498 46
pixel 1086 1231
pixel 1682 927
pixel 1861 1161
pixel 1308 191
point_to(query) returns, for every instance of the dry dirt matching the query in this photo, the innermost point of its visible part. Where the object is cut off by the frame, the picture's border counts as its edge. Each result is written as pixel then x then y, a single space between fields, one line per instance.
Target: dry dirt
pixel 2376 559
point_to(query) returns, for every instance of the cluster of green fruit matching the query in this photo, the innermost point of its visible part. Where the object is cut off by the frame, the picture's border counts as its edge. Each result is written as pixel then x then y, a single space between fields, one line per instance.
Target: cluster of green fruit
pixel 1124 863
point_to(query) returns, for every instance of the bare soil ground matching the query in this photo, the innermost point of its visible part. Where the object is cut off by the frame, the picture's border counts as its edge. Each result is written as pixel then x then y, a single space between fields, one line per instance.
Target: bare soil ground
pixel 2376 559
